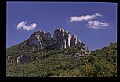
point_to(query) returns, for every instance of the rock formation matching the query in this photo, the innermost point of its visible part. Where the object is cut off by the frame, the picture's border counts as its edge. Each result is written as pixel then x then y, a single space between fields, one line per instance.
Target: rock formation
pixel 73 40
pixel 20 59
pixel 36 39
pixel 61 39
pixel 76 55
pixel 10 59
pixel 23 59
pixel 40 39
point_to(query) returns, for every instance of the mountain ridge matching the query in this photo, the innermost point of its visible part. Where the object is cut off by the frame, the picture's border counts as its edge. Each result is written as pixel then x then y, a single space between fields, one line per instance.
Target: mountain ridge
pixel 61 63
pixel 40 40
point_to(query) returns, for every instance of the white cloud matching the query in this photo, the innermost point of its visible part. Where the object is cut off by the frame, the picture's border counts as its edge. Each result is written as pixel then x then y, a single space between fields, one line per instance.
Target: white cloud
pixel 26 27
pixel 97 24
pixel 98 14
pixel 21 24
pixel 84 17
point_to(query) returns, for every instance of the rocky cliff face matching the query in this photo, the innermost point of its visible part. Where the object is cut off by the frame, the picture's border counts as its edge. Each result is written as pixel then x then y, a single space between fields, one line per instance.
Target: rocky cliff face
pixel 61 39
pixel 40 39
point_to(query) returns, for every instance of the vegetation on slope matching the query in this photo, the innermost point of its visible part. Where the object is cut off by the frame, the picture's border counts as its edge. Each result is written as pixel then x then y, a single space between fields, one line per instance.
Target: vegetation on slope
pixel 59 63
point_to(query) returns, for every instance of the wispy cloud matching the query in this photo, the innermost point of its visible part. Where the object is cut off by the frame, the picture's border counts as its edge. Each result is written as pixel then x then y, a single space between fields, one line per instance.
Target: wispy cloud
pixel 26 27
pixel 97 24
pixel 91 22
pixel 84 17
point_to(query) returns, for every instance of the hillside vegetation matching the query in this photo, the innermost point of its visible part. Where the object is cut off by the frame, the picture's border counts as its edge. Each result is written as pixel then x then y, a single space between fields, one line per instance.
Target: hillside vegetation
pixel 60 63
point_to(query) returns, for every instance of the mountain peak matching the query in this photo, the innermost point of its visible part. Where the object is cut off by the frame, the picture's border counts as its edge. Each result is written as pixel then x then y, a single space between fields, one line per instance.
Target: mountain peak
pixel 61 39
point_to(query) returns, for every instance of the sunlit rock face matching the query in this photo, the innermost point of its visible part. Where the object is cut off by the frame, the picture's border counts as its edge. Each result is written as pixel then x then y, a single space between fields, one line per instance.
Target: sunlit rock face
pixel 61 39
pixel 40 39
pixel 67 37
pixel 36 39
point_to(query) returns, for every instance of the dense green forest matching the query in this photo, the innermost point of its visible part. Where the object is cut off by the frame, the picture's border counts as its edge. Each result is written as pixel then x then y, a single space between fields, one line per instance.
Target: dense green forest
pixel 59 63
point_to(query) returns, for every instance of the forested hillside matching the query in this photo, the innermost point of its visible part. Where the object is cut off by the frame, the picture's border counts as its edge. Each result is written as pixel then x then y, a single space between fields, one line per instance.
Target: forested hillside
pixel 61 63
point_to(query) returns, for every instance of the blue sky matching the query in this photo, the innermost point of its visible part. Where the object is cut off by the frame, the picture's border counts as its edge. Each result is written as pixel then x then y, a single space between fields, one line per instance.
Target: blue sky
pixel 95 23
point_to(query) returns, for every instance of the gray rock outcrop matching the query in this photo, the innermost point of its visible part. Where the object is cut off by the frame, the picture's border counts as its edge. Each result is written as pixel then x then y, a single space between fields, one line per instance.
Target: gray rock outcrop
pixel 76 55
pixel 40 39
pixel 10 59
pixel 61 39
pixel 36 39
pixel 21 59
